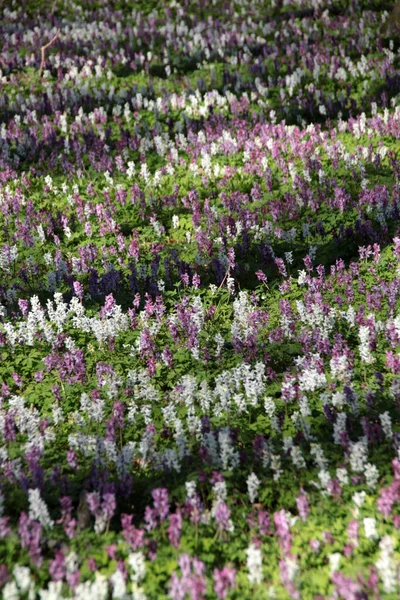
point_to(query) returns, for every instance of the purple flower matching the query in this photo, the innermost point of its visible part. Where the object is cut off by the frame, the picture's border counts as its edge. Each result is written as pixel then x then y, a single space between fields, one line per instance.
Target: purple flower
pixel 23 306
pixel 9 430
pixel 18 379
pixel 261 276
pixel 175 529
pixel 108 307
pixel 134 537
pixel 264 523
pixel 283 531
pixel 78 289
pixel 108 505
pixel 281 267
pixel 92 566
pixel 30 533
pixel 346 587
pixel 192 582
pixel 161 504
pixel 57 567
pixel 396 249
pixel 111 551
pixel 315 545
pixel 302 505
pixel 286 574
pixel 4 575
pixel 72 459
pixel 4 528
pixel 94 504
pixel 224 579
pixel 73 579
pixel 185 279
pixel 67 521
pixel 222 514
pixel 39 376
pixel 150 516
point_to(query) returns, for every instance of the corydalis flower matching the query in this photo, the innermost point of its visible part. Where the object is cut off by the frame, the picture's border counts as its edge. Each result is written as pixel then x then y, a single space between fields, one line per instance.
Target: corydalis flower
pixel 253 483
pixel 38 509
pixel 283 530
pixel 161 504
pixel 30 532
pixel 391 494
pixel 386 565
pixel 302 505
pixel 222 514
pixel 223 580
pixel 346 587
pixel 137 563
pixel 254 563
pixel 67 521
pixel 192 581
pixel 175 529
pixel 102 510
pixel 288 569
pixel 134 537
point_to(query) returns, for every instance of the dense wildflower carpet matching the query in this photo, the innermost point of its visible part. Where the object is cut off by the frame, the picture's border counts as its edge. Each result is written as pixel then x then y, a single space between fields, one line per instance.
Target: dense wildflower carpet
pixel 199 300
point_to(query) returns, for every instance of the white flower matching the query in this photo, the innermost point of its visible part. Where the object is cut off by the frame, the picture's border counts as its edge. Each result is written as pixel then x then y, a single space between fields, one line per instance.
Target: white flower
pixel 118 585
pixel 190 489
pixel 253 483
pixel 230 285
pixel 324 478
pixel 22 576
pixel 71 562
pixel 10 591
pixel 229 456
pixel 371 475
pixel 131 169
pixel 364 347
pixel 339 427
pixel 137 592
pixel 359 498
pixel 302 278
pixel 334 560
pixel 386 565
pixel 340 369
pixel 254 564
pixel 358 455
pixel 220 491
pixel 386 423
pixel 319 458
pixel 38 509
pixel 53 592
pixel 310 380
pixel 137 563
pixel 297 458
pixel 370 528
pixel 342 476
pixel 96 590
pixel 269 406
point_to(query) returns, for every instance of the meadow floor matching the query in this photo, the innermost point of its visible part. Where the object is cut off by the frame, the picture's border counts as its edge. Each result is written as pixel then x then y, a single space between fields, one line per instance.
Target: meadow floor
pixel 199 300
